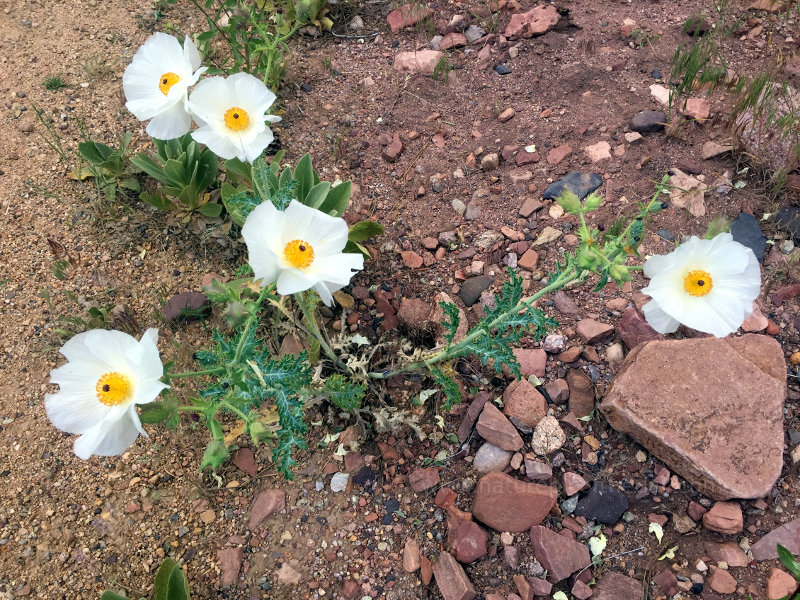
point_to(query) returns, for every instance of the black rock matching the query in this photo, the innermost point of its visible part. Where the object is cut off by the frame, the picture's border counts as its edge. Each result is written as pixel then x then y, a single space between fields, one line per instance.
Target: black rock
pixel 502 70
pixel 649 121
pixel 656 74
pixel 788 218
pixel 521 426
pixel 473 287
pixel 603 503
pixel 391 505
pixel 579 183
pixel 666 234
pixel 185 307
pixel 746 230
pixel 365 476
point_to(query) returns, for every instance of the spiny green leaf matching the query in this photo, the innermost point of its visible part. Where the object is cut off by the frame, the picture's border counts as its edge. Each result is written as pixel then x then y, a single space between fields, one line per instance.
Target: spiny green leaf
pixel 345 394
pixel 451 322
pixel 452 393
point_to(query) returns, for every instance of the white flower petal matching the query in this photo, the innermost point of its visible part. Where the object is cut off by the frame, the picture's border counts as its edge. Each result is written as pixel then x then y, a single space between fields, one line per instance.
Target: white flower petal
pixel 337 269
pixel 261 232
pixel 74 411
pixel 222 146
pixel 658 319
pixel 109 438
pixel 171 123
pixel 191 54
pixel 291 281
pixel 326 234
pixel 325 294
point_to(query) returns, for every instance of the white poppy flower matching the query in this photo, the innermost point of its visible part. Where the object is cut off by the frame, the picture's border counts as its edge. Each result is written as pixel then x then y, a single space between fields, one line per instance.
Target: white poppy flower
pixel 231 113
pixel 708 285
pixel 157 81
pixel 107 374
pixel 300 248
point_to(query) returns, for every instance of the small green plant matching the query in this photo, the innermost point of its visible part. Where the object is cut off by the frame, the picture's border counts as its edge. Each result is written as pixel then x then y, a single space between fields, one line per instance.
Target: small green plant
pixel 186 170
pixel 442 69
pixel 255 33
pixel 170 583
pixel 108 166
pixel 642 38
pixel 54 83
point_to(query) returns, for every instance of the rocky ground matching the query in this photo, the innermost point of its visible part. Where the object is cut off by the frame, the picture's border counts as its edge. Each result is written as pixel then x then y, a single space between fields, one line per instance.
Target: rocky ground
pixel 501 500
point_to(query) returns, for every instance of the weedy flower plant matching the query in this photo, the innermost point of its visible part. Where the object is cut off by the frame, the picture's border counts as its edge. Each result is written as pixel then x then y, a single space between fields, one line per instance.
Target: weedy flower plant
pixel 301 253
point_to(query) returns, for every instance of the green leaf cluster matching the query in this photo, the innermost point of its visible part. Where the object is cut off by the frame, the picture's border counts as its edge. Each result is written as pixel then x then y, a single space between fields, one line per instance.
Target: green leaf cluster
pixel 171 583
pixel 109 166
pixel 347 395
pixel 248 383
pixel 185 170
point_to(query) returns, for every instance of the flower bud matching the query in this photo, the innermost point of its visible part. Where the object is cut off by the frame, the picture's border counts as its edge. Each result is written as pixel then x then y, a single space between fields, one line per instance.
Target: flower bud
pixel 619 273
pixel 216 453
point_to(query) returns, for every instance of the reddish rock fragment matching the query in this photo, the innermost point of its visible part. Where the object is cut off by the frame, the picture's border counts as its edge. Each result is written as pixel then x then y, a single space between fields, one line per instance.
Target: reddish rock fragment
pixel 507 504
pixel 412 559
pixel 560 555
pixel 540 587
pixel 724 517
pixel 735 399
pixel 230 561
pixel 497 429
pixel 425 570
pixel 787 535
pixel 245 461
pixel 728 552
pixel 780 584
pixel 696 511
pixel 556 155
pixel 406 15
pixel 614 586
pixel 633 329
pixel 721 581
pixel 421 61
pixel 573 483
pixel 592 331
pixel 266 504
pixel 534 22
pixel 523 401
pixel 667 581
pixel 392 151
pixel 423 479
pixel 451 579
pixel 469 542
pixel 472 414
pixel 581 393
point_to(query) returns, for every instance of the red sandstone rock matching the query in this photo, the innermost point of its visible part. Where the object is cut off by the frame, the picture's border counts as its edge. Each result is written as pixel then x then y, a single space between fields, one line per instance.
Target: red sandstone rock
pixel 266 504
pixel 507 504
pixel 724 517
pixel 451 579
pixel 523 401
pixel 728 396
pixel 534 22
pixel 498 430
pixel 560 555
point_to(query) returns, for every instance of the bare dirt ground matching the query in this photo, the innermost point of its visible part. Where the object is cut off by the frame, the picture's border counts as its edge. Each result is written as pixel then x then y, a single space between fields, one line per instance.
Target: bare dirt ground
pixel 69 528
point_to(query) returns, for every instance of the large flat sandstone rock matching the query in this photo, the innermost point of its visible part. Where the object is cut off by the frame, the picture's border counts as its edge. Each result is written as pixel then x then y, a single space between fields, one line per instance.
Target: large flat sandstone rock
pixel 711 409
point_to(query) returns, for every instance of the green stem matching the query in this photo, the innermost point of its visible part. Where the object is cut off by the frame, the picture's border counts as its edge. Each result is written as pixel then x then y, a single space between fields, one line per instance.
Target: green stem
pixel 194 409
pixel 233 409
pixel 251 319
pixel 455 350
pixel 308 311
pixel 211 371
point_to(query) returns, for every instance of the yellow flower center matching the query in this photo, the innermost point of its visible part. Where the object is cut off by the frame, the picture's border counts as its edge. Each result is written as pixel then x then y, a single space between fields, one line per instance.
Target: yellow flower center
pixel 113 388
pixel 236 119
pixel 299 254
pixel 697 283
pixel 166 81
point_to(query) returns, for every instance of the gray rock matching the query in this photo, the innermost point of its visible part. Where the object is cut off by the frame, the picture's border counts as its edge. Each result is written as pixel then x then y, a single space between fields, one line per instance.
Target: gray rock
pixel 459 207
pixel 339 482
pixel 472 289
pixel 579 183
pixel 473 33
pixel 788 218
pixel 491 458
pixel 649 121
pixel 746 230
pixel 603 503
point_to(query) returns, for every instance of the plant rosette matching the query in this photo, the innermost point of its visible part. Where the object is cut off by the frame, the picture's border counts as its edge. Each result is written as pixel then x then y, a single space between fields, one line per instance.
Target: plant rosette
pixel 106 375
pixel 232 114
pixel 708 285
pixel 157 81
pixel 300 249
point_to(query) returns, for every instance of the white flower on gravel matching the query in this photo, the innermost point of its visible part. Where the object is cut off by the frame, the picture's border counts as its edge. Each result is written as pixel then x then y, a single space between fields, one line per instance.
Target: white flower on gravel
pixel 107 374
pixel 708 285
pixel 231 113
pixel 300 248
pixel 157 81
